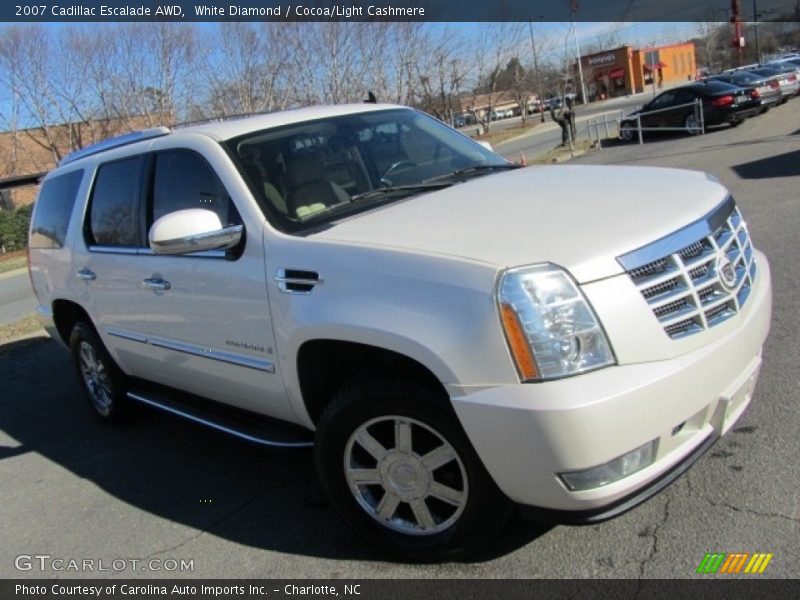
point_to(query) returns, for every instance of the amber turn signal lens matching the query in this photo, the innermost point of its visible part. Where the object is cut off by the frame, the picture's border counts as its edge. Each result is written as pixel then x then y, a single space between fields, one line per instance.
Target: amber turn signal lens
pixel 518 343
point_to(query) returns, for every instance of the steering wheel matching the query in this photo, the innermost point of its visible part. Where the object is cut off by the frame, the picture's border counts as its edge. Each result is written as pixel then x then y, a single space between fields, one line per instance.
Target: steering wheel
pixel 393 167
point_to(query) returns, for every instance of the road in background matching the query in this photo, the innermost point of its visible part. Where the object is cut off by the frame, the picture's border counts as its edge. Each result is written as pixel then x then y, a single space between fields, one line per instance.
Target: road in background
pixel 16 296
pixel 546 136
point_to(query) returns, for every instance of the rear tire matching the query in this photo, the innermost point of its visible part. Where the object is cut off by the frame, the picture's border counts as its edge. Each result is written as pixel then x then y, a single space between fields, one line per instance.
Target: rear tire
pixel 395 462
pixel 691 124
pixel 102 381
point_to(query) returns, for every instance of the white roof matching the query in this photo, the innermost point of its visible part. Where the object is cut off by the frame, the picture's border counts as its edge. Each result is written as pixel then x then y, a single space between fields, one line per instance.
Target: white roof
pixel 224 130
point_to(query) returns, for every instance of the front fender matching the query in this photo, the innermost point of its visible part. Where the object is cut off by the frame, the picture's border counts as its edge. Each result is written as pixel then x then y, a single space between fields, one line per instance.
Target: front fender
pixel 439 311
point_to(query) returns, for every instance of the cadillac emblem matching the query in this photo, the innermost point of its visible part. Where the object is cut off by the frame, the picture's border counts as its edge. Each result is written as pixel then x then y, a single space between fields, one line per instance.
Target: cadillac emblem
pixel 727 274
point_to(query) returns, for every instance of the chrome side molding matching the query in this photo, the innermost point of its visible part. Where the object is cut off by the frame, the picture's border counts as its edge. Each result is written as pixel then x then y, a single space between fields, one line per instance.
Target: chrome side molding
pixel 239 360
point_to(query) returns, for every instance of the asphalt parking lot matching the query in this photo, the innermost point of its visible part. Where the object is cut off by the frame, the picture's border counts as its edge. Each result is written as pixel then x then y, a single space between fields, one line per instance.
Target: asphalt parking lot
pixel 159 488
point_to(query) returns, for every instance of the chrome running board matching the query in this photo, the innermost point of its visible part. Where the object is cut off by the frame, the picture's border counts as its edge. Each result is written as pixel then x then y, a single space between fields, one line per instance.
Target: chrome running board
pixel 235 422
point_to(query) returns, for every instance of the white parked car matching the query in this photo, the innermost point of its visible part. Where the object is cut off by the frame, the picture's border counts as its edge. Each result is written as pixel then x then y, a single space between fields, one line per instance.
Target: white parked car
pixel 453 334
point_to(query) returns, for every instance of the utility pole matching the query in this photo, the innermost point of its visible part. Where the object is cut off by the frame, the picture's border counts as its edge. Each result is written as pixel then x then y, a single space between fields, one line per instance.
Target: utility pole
pixel 574 6
pixel 536 72
pixel 653 66
pixel 755 28
pixel 738 40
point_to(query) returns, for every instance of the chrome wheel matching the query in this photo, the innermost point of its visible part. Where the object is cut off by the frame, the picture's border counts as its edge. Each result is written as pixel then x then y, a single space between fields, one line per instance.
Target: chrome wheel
pixel 95 378
pixel 406 475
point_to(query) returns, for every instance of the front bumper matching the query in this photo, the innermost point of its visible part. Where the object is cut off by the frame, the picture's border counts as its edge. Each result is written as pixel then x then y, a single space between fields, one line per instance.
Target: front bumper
pixel 526 434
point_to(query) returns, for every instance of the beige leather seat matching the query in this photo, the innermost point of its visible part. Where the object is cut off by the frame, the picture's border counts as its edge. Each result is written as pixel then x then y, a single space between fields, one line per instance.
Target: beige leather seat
pixel 309 188
pixel 254 165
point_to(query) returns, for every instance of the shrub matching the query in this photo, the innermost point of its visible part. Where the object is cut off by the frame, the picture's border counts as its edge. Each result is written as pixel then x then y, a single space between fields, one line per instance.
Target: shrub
pixel 14 226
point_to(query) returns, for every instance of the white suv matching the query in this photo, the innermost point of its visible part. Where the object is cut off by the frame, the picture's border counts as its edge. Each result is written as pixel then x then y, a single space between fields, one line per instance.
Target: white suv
pixel 453 334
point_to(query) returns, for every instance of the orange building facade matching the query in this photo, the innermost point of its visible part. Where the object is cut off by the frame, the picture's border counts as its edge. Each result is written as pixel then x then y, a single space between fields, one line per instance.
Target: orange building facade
pixel 627 70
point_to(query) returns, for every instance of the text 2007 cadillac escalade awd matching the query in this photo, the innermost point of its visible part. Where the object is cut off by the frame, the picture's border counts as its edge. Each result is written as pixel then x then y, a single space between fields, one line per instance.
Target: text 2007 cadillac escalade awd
pixel 453 334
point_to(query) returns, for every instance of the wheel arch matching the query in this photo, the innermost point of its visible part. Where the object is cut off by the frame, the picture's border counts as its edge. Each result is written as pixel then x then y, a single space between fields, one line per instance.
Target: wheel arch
pixel 326 365
pixel 65 314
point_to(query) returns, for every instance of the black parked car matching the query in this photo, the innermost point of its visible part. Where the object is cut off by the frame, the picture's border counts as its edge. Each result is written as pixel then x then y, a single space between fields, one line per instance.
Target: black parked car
pixel 766 89
pixel 721 103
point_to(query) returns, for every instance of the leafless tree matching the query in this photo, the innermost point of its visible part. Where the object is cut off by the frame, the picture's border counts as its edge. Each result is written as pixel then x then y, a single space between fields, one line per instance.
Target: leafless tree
pixel 327 62
pixel 713 45
pixel 150 70
pixel 393 51
pixel 32 75
pixel 246 73
pixel 492 48
pixel 441 71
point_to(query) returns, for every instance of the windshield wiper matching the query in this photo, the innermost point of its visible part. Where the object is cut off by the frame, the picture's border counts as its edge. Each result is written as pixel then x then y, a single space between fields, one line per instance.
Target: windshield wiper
pixel 376 195
pixel 391 190
pixel 473 169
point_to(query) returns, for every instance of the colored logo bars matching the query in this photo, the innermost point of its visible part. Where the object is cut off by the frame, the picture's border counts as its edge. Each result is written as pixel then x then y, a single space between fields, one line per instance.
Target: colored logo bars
pixel 734 563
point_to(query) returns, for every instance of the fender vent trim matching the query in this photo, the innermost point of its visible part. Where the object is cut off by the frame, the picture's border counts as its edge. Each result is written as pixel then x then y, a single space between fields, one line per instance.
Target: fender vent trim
pixel 297 281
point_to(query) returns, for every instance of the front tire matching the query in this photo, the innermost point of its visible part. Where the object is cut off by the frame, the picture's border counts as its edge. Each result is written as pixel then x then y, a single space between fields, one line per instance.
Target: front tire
pixel 103 383
pixel 395 462
pixel 626 131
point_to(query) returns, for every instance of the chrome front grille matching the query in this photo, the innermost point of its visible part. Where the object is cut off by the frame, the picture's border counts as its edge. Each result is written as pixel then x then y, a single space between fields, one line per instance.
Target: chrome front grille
pixel 699 276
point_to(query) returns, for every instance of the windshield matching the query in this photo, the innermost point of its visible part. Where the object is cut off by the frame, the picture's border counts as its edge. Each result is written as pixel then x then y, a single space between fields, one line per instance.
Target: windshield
pixel 318 171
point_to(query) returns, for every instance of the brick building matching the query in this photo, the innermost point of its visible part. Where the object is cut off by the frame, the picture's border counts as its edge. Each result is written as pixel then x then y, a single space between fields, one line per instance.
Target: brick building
pixel 627 70
pixel 27 152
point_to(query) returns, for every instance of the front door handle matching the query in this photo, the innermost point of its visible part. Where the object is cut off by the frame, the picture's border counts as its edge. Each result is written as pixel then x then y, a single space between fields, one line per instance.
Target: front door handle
pixel 156 283
pixel 86 275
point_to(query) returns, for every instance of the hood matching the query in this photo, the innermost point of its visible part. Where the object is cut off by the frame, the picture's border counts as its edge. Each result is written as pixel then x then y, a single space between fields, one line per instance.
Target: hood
pixel 578 217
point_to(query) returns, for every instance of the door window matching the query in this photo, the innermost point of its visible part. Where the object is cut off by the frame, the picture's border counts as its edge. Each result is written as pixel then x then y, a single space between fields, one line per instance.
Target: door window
pixel 183 179
pixel 113 213
pixel 683 97
pixel 664 100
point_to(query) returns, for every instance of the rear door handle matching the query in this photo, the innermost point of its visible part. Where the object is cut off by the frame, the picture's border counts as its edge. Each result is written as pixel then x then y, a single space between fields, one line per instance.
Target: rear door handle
pixel 86 275
pixel 156 283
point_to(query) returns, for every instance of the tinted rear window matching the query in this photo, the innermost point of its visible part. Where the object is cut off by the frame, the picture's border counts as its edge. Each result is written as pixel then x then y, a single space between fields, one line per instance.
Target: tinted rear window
pixel 113 218
pixel 745 78
pixel 713 87
pixel 53 210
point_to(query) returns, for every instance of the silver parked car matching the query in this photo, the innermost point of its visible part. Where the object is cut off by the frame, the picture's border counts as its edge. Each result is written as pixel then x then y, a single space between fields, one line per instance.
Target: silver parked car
pixel 766 90
pixel 786 78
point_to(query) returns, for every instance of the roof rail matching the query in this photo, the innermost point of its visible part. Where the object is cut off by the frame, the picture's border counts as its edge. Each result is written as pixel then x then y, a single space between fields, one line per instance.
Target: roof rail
pixel 221 119
pixel 115 142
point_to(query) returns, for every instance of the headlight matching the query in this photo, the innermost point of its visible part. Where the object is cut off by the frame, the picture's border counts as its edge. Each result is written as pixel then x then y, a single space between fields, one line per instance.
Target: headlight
pixel 551 329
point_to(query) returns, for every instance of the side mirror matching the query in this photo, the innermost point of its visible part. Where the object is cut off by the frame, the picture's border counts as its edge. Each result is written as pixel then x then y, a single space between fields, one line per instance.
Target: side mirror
pixel 486 145
pixel 192 230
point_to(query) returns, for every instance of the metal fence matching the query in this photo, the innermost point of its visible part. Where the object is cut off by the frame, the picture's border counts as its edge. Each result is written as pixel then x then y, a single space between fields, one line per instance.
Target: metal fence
pixel 606 124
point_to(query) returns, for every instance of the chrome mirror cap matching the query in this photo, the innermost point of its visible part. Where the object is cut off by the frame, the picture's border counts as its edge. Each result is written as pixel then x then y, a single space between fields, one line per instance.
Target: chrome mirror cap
pixel 192 230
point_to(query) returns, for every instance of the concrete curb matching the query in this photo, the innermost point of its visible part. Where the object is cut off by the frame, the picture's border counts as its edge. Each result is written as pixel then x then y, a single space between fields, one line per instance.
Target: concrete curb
pixel 568 157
